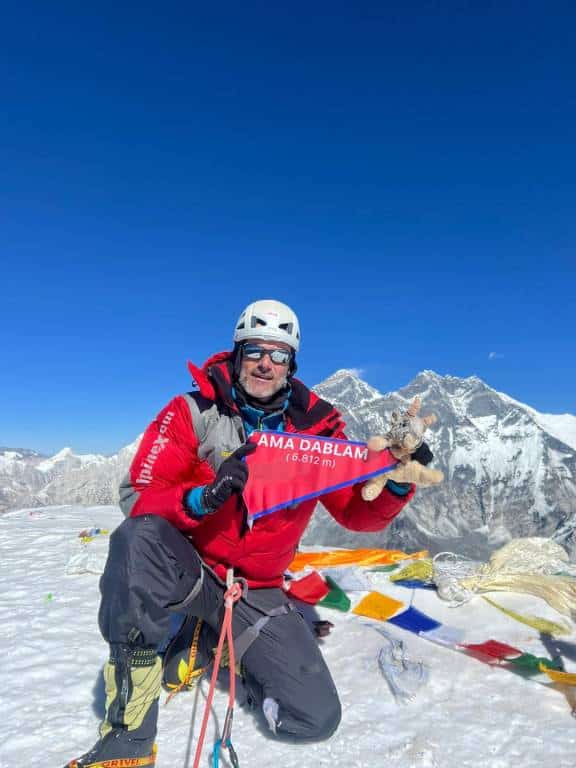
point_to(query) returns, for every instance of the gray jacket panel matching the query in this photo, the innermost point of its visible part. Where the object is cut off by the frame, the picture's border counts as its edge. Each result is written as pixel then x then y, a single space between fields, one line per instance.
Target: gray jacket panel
pixel 219 434
pixel 128 495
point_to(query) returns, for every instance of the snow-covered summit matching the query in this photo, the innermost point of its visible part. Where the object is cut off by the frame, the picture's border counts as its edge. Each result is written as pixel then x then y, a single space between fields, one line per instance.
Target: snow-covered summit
pixel 467 715
pixel 561 425
pixel 346 385
pixel 67 458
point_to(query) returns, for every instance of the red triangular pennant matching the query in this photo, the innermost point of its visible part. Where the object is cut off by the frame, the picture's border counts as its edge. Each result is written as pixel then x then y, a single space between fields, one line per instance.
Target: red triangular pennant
pixel 288 468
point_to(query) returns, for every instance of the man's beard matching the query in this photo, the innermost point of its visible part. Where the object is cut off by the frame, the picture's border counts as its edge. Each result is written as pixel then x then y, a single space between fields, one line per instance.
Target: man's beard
pixel 264 393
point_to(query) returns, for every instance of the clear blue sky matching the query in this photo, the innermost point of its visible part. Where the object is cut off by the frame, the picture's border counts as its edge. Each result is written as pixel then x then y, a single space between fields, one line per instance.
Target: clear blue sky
pixel 403 174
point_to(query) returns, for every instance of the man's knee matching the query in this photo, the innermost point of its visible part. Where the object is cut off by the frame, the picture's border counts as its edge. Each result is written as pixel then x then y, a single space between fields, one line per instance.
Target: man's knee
pixel 325 721
pixel 314 718
pixel 135 532
pixel 152 541
pixel 151 567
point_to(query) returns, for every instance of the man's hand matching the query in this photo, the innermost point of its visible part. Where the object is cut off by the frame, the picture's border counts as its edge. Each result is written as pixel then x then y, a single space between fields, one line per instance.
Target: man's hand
pixel 231 478
pixel 405 439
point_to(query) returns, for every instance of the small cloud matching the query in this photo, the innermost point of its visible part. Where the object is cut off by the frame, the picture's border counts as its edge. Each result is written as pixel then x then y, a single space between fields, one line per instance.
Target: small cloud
pixel 358 372
pixel 495 356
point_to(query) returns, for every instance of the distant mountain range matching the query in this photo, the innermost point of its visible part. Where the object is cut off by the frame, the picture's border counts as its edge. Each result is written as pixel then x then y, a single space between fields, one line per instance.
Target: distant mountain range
pixel 28 479
pixel 510 470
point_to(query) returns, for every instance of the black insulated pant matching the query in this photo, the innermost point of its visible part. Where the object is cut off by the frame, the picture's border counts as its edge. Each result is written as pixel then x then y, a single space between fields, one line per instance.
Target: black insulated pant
pixel 153 571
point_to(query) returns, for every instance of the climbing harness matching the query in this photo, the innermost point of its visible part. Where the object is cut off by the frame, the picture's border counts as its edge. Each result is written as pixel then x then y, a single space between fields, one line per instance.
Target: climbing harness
pixel 236 587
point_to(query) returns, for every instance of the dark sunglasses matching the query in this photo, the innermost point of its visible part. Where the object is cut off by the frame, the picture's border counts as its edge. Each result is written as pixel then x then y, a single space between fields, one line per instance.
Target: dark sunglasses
pixel 276 355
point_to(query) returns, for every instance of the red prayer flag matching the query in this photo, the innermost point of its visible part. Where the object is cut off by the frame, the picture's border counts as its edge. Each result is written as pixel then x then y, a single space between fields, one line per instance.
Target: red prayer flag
pixel 310 589
pixel 288 468
pixel 492 650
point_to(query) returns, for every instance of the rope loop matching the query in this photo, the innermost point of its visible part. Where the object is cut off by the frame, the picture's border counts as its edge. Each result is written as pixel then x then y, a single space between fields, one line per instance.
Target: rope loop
pixel 233 593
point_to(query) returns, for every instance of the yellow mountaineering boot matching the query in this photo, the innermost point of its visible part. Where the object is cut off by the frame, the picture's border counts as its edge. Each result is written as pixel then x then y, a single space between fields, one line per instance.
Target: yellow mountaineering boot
pixel 188 656
pixel 128 732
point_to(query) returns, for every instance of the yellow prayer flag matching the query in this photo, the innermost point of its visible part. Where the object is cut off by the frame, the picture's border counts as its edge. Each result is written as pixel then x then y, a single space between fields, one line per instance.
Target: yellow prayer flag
pixel 377 606
pixel 567 678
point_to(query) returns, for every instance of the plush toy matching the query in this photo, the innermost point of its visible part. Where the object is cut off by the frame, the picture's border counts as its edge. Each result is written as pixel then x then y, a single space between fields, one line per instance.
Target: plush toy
pixel 406 435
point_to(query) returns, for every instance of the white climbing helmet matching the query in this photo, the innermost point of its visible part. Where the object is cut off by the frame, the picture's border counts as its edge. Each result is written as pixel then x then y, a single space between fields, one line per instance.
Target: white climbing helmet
pixel 268 320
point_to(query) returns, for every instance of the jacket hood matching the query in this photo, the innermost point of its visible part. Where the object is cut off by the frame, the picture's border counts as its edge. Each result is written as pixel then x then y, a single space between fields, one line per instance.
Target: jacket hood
pixel 305 411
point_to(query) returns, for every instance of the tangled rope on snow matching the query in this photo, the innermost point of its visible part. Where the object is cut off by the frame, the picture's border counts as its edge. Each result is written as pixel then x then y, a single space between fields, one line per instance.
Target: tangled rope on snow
pixel 525 565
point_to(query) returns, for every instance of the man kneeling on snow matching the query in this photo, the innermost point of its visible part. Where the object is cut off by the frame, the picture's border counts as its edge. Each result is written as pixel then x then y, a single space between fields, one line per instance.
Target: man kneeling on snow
pixel 186 526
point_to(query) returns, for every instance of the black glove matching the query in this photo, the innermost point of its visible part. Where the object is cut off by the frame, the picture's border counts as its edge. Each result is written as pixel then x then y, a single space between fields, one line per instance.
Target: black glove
pixel 231 478
pixel 322 628
pixel 423 455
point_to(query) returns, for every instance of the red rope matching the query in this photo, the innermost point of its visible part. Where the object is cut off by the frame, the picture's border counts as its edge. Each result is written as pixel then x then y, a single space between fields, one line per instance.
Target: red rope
pixel 231 596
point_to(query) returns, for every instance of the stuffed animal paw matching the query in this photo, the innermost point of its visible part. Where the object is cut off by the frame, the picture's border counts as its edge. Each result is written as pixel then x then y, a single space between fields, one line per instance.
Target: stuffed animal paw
pixel 411 472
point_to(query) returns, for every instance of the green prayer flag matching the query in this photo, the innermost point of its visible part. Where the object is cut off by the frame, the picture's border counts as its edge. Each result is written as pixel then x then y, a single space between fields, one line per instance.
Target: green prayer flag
pixel 530 663
pixel 336 598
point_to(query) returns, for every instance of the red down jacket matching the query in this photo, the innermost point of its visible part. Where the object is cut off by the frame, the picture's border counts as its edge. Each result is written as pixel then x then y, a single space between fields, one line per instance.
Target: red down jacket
pixel 167 464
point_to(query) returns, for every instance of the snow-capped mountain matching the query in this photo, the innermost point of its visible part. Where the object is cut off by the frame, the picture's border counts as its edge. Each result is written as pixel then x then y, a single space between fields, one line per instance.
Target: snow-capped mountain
pixel 18 478
pixel 28 479
pixel 510 470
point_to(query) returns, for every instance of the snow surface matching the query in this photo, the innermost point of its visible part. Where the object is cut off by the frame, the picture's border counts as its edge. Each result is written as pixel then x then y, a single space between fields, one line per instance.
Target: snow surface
pixel 562 426
pixel 467 715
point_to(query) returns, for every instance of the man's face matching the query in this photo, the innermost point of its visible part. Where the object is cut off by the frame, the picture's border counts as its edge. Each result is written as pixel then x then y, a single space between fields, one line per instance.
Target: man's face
pixel 263 378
